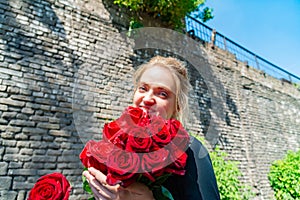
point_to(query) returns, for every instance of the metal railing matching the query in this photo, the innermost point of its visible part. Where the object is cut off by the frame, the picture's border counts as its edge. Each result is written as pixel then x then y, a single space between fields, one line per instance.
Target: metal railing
pixel 197 29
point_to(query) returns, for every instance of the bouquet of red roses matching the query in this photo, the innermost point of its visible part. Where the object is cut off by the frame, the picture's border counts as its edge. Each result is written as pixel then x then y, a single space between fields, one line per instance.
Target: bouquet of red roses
pixel 138 146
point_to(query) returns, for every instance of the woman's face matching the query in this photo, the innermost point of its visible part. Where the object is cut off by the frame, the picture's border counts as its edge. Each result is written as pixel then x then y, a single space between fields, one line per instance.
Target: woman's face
pixel 155 92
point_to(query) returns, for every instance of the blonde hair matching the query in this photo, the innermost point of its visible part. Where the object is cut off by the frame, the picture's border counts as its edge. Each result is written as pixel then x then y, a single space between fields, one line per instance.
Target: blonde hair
pixel 180 75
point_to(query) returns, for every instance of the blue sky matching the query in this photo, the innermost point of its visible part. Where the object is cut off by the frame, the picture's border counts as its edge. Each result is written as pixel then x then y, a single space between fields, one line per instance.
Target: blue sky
pixel 268 28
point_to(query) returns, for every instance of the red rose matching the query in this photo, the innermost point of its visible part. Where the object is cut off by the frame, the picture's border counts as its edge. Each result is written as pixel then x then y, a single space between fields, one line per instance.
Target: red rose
pixel 95 154
pixel 178 161
pixel 180 137
pixel 135 113
pixel 153 162
pixel 86 156
pixel 120 139
pixel 156 124
pixel 138 141
pixel 122 165
pixel 130 117
pixel 162 138
pixel 53 186
pixel 110 129
pixel 101 150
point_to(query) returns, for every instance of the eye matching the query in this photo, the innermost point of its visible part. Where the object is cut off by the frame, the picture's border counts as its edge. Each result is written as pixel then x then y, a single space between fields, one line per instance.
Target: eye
pixel 163 94
pixel 142 88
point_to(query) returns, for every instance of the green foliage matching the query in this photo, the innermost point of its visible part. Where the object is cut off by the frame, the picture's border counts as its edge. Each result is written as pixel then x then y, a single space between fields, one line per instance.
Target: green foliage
pixel 297 85
pixel 86 187
pixel 227 175
pixel 170 11
pixel 284 176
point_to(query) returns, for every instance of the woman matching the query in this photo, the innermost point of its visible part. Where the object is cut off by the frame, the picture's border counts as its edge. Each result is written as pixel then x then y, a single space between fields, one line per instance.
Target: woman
pixel 161 88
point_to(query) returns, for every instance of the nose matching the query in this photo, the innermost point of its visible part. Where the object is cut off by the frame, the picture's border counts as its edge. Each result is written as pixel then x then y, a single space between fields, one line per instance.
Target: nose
pixel 149 99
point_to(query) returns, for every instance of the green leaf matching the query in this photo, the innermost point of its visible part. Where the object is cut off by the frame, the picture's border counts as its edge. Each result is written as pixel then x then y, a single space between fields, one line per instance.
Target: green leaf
pixel 86 186
pixel 167 193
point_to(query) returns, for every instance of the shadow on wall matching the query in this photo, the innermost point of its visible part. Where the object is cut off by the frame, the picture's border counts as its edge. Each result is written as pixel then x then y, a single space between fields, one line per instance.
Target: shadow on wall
pixel 36 41
pixel 36 48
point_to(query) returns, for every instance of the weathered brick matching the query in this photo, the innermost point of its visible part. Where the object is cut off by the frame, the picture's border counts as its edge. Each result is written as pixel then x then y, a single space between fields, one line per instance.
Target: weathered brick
pixel 3 107
pixel 22 158
pixel 4 194
pixel 7 135
pixel 36 142
pixel 60 109
pixel 22 194
pixel 14 67
pixel 21 172
pixel 44 100
pixel 9 115
pixel 3 121
pixel 43 159
pixel 23 144
pixel 39 151
pixel 3 87
pixel 35 165
pixel 34 131
pixel 10 143
pixel 22 97
pixel 46 171
pixel 61 133
pixel 11 72
pixel 22 185
pixel 7 101
pixel 26 151
pixel 22 116
pixel 27 110
pixel 3 168
pixel 15 165
pixel 39 118
pixel 21 136
pixel 62 165
pixel 3 95
pixel 10 150
pixel 48 138
pixel 48 126
pixel 23 123
pixel 69 158
pixel 13 90
pixel 14 109
pixel 25 92
pixel 13 129
pixel 5 183
pixel 38 94
pixel 1 150
pixel 51 152
pixel 54 145
pixel 50 166
pixel 72 172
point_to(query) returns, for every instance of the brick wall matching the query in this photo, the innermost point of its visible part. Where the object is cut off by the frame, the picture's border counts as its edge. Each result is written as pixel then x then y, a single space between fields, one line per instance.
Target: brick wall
pixel 65 69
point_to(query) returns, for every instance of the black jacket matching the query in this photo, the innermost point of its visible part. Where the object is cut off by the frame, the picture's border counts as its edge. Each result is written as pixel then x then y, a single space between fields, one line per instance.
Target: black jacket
pixel 199 181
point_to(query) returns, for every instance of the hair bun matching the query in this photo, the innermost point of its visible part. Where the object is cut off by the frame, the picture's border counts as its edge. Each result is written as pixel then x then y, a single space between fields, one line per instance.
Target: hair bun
pixel 175 63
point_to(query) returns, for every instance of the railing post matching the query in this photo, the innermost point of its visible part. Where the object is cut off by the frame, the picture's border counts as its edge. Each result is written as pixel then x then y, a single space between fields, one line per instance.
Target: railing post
pixel 224 42
pixel 256 61
pixel 290 79
pixel 213 38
